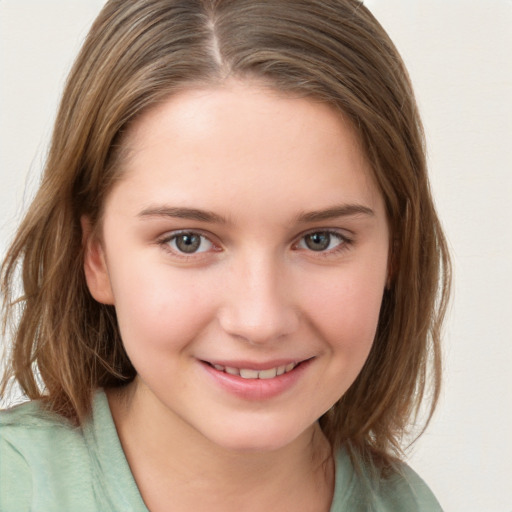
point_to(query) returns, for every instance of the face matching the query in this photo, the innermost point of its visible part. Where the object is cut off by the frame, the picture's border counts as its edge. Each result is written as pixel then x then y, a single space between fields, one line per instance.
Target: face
pixel 245 250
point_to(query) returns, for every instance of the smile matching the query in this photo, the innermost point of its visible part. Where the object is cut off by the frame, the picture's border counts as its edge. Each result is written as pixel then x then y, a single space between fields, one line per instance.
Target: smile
pixel 246 373
pixel 256 381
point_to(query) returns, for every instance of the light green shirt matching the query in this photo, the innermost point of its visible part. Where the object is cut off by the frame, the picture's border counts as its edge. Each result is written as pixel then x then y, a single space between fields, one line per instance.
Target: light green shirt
pixel 48 465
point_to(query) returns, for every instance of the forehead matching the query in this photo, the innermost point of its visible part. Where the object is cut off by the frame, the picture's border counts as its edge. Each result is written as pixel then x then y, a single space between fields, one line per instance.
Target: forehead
pixel 244 143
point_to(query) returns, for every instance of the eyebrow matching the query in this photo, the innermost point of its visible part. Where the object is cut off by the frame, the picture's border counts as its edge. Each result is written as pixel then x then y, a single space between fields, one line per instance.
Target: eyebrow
pixel 183 213
pixel 344 210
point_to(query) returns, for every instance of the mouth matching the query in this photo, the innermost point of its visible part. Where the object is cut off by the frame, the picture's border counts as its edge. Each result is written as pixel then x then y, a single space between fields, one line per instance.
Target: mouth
pixel 257 381
pixel 251 374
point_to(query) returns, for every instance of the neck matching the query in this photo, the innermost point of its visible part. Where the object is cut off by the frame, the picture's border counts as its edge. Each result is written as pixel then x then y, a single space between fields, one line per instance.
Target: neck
pixel 173 462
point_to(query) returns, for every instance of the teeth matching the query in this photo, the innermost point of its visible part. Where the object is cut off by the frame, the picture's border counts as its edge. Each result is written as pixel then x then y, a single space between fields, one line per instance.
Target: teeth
pixel 268 374
pixel 255 374
pixel 248 374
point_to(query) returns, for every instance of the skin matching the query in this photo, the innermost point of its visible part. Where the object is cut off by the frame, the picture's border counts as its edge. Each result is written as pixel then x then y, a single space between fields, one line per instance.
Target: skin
pixel 264 165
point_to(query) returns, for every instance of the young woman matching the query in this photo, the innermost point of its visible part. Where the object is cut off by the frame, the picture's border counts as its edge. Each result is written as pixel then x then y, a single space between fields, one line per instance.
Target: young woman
pixel 234 276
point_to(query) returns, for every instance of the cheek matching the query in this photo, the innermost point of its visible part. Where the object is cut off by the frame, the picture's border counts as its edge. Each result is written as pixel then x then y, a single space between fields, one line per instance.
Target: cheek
pixel 343 311
pixel 345 308
pixel 159 308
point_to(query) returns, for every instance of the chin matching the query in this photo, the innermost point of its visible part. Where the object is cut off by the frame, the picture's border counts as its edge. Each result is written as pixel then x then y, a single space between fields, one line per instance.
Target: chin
pixel 260 438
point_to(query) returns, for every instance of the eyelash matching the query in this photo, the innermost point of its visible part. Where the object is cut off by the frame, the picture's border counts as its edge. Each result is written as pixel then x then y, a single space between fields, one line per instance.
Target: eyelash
pixel 169 238
pixel 344 243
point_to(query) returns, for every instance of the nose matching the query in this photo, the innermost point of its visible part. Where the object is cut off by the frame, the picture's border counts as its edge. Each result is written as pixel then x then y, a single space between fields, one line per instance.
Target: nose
pixel 258 302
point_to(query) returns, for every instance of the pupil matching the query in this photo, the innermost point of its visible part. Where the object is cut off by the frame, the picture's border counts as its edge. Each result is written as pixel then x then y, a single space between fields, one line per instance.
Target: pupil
pixel 318 241
pixel 188 243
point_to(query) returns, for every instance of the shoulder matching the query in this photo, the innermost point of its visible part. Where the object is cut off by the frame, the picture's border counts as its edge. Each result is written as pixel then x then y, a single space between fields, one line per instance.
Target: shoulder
pixel 400 490
pixel 15 479
pixel 38 451
pixel 35 433
pixel 406 491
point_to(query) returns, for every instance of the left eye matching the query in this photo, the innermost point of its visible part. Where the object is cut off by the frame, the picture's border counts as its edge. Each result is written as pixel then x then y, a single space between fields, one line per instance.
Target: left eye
pixel 189 243
pixel 320 241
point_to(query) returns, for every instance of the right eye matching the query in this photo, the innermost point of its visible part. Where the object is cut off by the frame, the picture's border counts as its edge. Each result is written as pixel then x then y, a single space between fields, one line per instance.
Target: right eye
pixel 188 242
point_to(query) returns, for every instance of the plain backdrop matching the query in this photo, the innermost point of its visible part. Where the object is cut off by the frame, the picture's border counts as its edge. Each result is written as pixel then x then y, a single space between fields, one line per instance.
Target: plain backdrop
pixel 459 54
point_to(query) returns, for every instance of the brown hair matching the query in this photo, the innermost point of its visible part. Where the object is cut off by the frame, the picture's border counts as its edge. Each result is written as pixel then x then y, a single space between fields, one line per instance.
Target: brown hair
pixel 137 53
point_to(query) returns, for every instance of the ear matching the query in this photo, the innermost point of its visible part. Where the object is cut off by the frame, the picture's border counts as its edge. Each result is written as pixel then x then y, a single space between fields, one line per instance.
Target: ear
pixel 95 265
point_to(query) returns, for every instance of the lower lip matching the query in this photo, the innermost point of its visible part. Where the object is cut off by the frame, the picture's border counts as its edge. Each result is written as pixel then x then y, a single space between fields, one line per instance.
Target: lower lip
pixel 257 389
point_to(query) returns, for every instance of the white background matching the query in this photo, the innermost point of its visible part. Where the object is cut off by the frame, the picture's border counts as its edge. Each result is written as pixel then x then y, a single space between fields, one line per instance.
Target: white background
pixel 459 53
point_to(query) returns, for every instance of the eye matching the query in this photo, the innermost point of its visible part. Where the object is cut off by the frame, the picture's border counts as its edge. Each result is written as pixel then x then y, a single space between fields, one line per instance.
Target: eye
pixel 321 241
pixel 189 242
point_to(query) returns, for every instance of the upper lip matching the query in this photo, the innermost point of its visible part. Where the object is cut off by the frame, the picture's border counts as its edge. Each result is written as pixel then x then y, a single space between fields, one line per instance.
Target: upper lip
pixel 254 365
